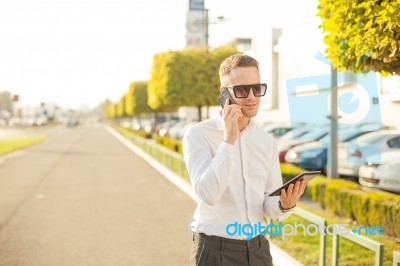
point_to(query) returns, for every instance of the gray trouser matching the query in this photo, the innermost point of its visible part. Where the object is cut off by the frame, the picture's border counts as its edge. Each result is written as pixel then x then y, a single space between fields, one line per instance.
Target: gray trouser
pixel 216 251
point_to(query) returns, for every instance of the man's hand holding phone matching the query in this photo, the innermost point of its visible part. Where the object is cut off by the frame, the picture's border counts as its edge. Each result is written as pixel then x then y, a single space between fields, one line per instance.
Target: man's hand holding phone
pixel 231 115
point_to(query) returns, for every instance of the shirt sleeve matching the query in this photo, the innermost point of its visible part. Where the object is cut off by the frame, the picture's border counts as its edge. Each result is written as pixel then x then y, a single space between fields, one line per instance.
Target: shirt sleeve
pixel 274 181
pixel 209 174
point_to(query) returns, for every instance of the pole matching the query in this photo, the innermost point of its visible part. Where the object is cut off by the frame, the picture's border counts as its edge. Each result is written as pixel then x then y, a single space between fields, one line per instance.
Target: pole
pixel 332 151
pixel 206 24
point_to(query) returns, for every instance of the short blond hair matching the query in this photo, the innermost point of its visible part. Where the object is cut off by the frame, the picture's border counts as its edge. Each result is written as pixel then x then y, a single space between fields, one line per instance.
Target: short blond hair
pixel 234 61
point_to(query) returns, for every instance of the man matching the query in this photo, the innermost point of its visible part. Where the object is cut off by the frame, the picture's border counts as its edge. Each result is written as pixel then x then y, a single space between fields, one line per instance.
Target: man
pixel 233 165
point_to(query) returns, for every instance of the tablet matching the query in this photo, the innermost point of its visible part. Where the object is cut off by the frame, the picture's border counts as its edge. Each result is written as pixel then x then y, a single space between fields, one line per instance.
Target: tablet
pixel 307 176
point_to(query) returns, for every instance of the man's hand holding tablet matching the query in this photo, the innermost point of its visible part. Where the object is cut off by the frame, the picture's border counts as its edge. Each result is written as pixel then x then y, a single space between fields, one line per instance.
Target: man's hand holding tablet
pixel 292 190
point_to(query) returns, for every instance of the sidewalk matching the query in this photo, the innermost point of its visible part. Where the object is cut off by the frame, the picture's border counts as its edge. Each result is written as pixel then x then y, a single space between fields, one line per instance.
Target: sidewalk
pixel 280 257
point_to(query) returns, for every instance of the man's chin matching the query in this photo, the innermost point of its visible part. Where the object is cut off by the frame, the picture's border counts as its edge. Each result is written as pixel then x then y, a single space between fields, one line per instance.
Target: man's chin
pixel 250 115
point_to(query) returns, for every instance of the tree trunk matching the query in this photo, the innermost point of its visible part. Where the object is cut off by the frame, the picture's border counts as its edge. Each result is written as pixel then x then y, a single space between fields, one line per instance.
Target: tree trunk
pixel 154 123
pixel 199 114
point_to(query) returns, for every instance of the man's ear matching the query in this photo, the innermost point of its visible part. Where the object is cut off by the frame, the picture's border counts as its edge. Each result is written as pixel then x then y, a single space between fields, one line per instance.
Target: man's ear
pixel 221 89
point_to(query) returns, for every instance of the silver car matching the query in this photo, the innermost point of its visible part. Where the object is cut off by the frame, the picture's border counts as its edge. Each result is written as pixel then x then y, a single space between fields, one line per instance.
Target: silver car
pixel 382 171
pixel 354 154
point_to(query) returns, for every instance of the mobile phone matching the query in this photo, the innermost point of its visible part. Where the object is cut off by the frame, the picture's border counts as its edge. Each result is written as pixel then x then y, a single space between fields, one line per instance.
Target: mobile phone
pixel 223 96
pixel 307 176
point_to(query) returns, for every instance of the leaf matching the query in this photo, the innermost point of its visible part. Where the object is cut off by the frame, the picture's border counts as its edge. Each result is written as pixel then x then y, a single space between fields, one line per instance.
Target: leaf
pixel 362 35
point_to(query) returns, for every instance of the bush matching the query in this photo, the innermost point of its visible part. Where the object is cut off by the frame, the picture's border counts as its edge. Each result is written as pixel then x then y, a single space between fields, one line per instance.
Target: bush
pixel 127 130
pixel 368 208
pixel 143 134
pixel 346 199
pixel 172 144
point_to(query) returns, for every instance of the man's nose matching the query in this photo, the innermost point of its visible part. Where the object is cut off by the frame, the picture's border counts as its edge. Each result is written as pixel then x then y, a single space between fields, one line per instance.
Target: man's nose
pixel 251 94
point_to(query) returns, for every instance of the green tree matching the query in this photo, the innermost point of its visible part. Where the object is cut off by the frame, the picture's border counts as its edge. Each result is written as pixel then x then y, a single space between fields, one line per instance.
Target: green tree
pixel 165 87
pixel 136 99
pixel 204 78
pixel 105 107
pixel 362 35
pixel 186 78
pixel 121 106
pixel 111 111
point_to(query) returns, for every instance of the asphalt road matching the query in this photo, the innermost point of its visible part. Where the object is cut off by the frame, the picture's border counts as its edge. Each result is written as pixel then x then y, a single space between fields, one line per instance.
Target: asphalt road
pixel 83 198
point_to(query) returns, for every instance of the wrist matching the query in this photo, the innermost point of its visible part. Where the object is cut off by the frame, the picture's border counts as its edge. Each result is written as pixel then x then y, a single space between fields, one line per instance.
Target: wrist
pixel 284 208
pixel 230 140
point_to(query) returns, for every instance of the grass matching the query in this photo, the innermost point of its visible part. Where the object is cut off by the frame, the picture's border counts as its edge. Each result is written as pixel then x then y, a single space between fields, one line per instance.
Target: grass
pixel 10 145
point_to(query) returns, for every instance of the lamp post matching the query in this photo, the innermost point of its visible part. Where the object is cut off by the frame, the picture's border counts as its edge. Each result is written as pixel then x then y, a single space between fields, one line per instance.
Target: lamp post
pixel 332 149
pixel 14 108
pixel 208 22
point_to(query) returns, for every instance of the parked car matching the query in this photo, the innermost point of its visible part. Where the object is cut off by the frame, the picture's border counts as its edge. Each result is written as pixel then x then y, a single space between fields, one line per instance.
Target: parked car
pixel 285 145
pixel 15 122
pixel 167 124
pixel 175 129
pixel 295 133
pixel 382 171
pixel 354 154
pixel 165 127
pixel 277 129
pixel 314 155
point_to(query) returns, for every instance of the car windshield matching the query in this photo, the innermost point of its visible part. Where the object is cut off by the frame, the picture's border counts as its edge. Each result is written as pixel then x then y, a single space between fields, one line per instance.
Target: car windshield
pixel 371 139
pixel 346 136
pixel 314 135
pixel 295 133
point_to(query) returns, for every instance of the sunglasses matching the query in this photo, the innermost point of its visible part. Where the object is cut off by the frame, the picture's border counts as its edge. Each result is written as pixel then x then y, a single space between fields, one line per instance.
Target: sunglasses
pixel 242 91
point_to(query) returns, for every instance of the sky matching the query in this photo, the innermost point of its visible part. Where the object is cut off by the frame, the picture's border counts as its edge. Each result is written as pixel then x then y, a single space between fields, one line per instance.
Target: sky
pixel 81 52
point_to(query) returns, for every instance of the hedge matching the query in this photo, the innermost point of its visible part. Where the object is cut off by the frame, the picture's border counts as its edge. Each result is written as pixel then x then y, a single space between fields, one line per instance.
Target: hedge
pixel 172 144
pixel 346 199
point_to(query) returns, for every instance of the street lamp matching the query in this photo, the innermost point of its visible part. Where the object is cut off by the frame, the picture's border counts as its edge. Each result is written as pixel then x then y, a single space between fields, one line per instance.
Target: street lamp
pixel 332 149
pixel 208 22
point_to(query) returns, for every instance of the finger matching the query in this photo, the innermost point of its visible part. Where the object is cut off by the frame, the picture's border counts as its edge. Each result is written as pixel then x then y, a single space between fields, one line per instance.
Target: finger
pixel 226 102
pixel 226 106
pixel 235 111
pixel 303 186
pixel 226 111
pixel 290 190
pixel 236 117
pixel 238 114
pixel 296 187
pixel 283 195
pixel 229 108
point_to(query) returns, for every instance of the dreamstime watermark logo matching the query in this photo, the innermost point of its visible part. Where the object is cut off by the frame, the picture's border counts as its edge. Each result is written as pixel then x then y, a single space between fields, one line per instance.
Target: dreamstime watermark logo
pixel 282 230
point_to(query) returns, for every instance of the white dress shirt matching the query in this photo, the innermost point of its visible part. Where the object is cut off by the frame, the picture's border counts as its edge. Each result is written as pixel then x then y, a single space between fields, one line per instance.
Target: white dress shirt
pixel 232 182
